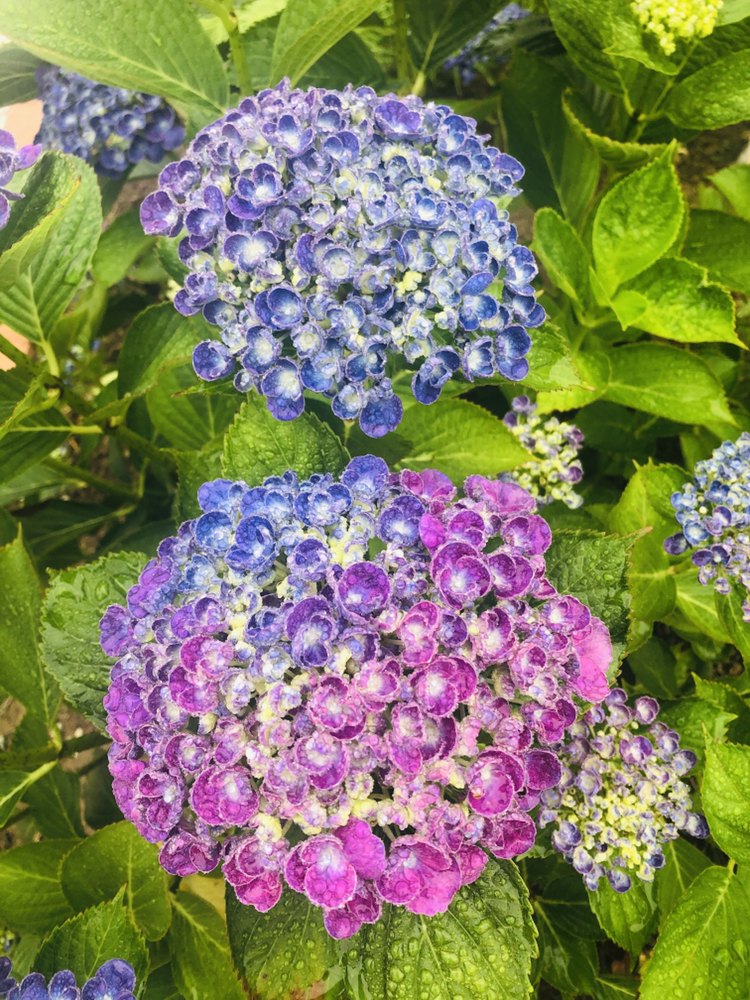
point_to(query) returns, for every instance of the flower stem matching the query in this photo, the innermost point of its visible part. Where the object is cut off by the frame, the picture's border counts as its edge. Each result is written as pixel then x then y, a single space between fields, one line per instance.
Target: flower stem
pixel 84 476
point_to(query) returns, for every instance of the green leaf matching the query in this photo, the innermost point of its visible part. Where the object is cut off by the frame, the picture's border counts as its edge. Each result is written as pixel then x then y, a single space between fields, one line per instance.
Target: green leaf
pixel 701 953
pixel 56 803
pixel 679 303
pixel 193 469
pixel 158 337
pixel 550 361
pixel 615 988
pixel 629 918
pixel 725 793
pixel 660 482
pixel 95 870
pixel 49 188
pixel 734 184
pixel 568 962
pixel 592 566
pixel 618 155
pixel 689 716
pixel 13 784
pixel 717 95
pixel 120 245
pixel 667 382
pixel 17 80
pixel 309 28
pixel 698 605
pixel 729 608
pixel 73 606
pixel 584 29
pixel 683 864
pixel 199 950
pixel 637 221
pixel 40 295
pixel 21 672
pixel 564 899
pixel 31 896
pixel 189 420
pixel 720 243
pixel 257 446
pixel 439 29
pixel 160 985
pixel 349 61
pixel 629 40
pixel 655 668
pixel 482 946
pixel 723 696
pixel 89 939
pixel 565 258
pixel 595 370
pixel 158 50
pixel 561 169
pixel 734 10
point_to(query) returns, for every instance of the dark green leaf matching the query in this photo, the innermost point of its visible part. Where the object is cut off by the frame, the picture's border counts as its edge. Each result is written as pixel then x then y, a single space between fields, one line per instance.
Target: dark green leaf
pixel 193 469
pixel 721 243
pixel 629 918
pixel 567 962
pixel 637 221
pixel 257 446
pixel 158 49
pixel 702 951
pixel 99 866
pixel 725 793
pixel 729 607
pixel 349 61
pixel 31 896
pixel 583 27
pixel 655 669
pixel 717 95
pixel 159 337
pixel 199 950
pixel 683 863
pixel 17 80
pixel 73 606
pixel 438 29
pixel 189 420
pixel 13 784
pixel 120 245
pixel 89 939
pixel 56 803
pixel 160 985
pixel 618 155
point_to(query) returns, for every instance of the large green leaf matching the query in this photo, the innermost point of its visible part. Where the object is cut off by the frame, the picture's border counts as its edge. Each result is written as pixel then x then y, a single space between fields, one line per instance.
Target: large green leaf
pixel 17 80
pixel 565 258
pixel 13 784
pixel 120 245
pixel 691 718
pixel 720 243
pixel 189 420
pixel 637 221
pixel 84 942
pixel 702 950
pixel 96 869
pixel 717 95
pixel 725 794
pixel 437 29
pixel 618 155
pixel 31 896
pixel 583 26
pixel 156 48
pixel 55 802
pixel 257 446
pixel 73 606
pixel 199 950
pixel 667 382
pixel 683 864
pixel 193 469
pixel 41 294
pixel 21 672
pixel 158 337
pixel 629 918
pixel 308 29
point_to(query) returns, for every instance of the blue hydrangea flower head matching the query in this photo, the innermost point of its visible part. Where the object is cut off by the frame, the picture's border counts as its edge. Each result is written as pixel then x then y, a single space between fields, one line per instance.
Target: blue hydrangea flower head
pixel 11 160
pixel 621 797
pixel 470 56
pixel 392 715
pixel 115 980
pixel 329 233
pixel 554 471
pixel 714 514
pixel 109 127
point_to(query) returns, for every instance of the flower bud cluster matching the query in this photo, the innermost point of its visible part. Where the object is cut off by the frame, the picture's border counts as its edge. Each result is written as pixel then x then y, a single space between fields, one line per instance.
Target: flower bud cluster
pixel 354 686
pixel 115 980
pixel 620 798
pixel 670 20
pixel 552 475
pixel 470 56
pixel 109 127
pixel 328 230
pixel 11 160
pixel 714 513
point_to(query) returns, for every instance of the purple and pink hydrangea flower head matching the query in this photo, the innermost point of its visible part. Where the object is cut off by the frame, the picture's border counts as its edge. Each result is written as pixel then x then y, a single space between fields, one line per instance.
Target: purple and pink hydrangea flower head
pixel 11 160
pixel 114 980
pixel 714 515
pixel 354 686
pixel 109 127
pixel 555 468
pixel 621 797
pixel 331 234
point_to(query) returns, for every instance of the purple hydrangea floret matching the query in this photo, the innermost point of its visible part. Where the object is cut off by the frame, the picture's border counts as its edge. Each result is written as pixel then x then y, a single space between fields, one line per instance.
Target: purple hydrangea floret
pixel 114 980
pixel 328 231
pixel 11 160
pixel 621 797
pixel 109 127
pixel 471 57
pixel 714 514
pixel 355 686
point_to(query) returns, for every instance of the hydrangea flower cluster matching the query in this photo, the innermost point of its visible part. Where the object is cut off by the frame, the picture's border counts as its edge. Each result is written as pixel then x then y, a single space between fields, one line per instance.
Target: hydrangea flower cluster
pixel 109 127
pixel 350 685
pixel 470 56
pixel 620 797
pixel 115 980
pixel 714 513
pixel 552 475
pixel 670 20
pixel 328 230
pixel 11 160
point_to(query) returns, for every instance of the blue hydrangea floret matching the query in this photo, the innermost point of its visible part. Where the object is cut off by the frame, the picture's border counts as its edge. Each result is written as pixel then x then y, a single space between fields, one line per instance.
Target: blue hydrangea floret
pixel 109 127
pixel 114 980
pixel 714 514
pixel 330 232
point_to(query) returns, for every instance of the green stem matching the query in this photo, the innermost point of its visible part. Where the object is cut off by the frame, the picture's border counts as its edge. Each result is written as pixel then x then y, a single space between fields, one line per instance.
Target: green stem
pixel 16 818
pixel 84 476
pixel 86 742
pixel 404 65
pixel 228 17
pixel 50 357
pixel 146 447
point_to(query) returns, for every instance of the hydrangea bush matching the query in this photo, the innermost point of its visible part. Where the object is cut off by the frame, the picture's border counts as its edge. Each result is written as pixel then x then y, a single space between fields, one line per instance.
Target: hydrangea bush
pixel 374 609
